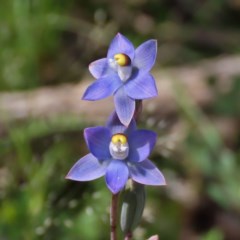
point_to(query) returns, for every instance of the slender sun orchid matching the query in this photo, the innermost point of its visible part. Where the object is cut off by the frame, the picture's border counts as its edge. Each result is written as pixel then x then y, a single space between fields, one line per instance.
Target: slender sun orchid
pixel 119 153
pixel 124 73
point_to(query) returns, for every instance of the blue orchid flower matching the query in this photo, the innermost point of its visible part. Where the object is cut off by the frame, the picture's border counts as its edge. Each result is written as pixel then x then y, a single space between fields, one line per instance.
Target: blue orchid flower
pixel 119 153
pixel 124 73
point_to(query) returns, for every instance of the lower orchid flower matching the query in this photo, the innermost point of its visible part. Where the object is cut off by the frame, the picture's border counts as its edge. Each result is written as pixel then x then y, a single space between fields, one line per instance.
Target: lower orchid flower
pixel 119 153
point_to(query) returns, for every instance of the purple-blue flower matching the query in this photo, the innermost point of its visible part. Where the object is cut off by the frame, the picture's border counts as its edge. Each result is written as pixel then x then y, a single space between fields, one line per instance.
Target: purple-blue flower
pixel 124 73
pixel 119 153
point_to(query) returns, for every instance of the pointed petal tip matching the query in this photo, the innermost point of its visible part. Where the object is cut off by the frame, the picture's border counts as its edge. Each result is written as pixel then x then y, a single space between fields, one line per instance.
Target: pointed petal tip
pixel 125 122
pixel 88 168
pixel 98 68
pixel 120 44
pixel 114 191
pixel 119 34
pixel 143 87
pixel 125 106
pixel 102 88
pixel 68 176
pixel 89 65
pixel 85 96
pixel 162 182
pixel 147 173
pixel 153 41
pixel 145 55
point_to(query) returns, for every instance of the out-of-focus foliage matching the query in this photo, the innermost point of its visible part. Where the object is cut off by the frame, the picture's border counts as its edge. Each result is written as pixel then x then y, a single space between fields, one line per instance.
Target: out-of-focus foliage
pixel 46 42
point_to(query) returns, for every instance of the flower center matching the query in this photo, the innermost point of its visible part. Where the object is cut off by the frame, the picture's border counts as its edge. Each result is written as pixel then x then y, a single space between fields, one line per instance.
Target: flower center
pixel 122 64
pixel 119 146
pixel 122 59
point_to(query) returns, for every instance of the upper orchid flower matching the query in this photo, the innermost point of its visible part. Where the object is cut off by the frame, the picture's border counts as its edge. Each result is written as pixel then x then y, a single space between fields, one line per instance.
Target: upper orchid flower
pixel 124 73
pixel 118 153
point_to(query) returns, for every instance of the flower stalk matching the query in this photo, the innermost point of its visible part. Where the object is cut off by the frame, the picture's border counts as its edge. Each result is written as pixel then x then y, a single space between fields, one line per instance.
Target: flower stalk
pixel 128 236
pixel 113 217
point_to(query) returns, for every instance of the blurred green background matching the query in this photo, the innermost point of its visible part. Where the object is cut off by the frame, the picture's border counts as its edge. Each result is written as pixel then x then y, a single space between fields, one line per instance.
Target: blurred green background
pixel 48 43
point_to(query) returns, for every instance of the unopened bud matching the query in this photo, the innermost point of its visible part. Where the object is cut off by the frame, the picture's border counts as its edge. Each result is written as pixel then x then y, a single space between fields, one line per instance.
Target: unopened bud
pixel 133 202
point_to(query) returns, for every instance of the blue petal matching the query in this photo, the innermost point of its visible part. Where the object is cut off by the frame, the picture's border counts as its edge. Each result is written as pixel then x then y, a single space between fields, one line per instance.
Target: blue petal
pixel 124 105
pixel 99 68
pixel 98 140
pixel 120 44
pixel 145 55
pixel 146 173
pixel 141 143
pixel 116 126
pixel 141 86
pixel 87 168
pixel 102 88
pixel 131 127
pixel 117 175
